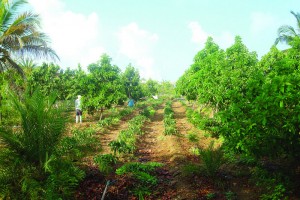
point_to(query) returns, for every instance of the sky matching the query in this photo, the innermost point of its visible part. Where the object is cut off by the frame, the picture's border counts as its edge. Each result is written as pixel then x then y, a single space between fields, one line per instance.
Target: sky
pixel 159 37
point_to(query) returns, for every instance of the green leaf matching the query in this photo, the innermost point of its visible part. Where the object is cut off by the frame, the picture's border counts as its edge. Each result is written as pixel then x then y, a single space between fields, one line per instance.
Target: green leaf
pixel 281 104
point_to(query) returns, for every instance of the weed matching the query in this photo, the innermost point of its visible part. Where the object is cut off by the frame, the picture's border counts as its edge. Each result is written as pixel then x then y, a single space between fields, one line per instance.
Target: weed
pixel 211 196
pixel 195 151
pixel 141 173
pixel 212 160
pixel 230 195
pixel 192 137
pixel 278 192
pixel 273 184
pixel 170 130
pixel 105 162
pixel 121 147
pixel 190 170
pixel 207 135
pixel 161 138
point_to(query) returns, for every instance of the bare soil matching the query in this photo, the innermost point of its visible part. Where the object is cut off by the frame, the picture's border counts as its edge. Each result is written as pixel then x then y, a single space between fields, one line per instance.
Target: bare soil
pixel 174 152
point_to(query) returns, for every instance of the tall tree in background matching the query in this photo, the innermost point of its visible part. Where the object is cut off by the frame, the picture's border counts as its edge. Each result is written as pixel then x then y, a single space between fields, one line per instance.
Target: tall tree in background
pixel 286 33
pixel 104 85
pixel 20 35
pixel 151 87
pixel 131 78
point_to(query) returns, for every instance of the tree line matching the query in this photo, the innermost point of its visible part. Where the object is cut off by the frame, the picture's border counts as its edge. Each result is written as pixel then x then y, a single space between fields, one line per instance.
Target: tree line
pixel 255 102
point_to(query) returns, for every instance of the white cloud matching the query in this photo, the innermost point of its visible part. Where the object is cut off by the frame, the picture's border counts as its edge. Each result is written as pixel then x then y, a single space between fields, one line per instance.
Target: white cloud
pixel 199 36
pixel 261 22
pixel 225 40
pixel 74 36
pixel 138 45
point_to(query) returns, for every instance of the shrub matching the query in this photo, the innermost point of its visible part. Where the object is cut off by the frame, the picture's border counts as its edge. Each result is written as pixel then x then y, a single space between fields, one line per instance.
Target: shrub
pixel 140 172
pixel 274 185
pixel 212 159
pixel 77 145
pixel 30 166
pixel 192 137
pixel 105 162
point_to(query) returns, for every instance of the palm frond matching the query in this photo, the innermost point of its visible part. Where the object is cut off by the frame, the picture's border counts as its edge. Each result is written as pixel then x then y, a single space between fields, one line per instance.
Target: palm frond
pixel 287 30
pixel 6 62
pixel 297 16
pixel 38 51
pixel 20 35
pixel 16 4
pixel 286 33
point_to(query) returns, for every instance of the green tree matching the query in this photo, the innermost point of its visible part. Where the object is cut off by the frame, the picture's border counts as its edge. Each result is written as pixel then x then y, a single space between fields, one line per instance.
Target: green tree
pixel 78 83
pixel 201 80
pixel 166 88
pixel 150 88
pixel 105 87
pixel 131 79
pixel 47 78
pixel 20 35
pixel 286 33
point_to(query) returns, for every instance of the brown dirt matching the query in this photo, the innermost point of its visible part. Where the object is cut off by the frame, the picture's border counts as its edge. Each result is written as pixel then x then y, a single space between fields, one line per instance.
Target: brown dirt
pixel 172 151
pixel 112 132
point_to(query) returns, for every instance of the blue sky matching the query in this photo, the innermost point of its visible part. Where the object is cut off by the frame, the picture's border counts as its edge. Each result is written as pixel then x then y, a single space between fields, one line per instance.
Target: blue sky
pixel 159 37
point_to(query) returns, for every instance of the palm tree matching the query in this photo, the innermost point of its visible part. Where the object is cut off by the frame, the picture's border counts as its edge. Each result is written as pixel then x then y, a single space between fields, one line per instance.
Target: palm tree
pixel 20 36
pixel 286 33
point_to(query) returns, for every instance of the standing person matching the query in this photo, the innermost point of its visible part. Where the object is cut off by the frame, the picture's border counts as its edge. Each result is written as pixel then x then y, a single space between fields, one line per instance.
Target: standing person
pixel 78 109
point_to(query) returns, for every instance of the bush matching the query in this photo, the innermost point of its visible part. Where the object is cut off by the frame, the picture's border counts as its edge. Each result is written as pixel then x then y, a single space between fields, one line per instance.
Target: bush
pixel 30 166
pixel 79 144
pixel 192 137
pixel 141 173
pixel 274 185
pixel 105 163
pixel 212 160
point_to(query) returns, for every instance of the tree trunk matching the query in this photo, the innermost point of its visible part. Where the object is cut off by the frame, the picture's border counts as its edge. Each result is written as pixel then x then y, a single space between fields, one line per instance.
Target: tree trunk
pixel 101 113
pixel 0 109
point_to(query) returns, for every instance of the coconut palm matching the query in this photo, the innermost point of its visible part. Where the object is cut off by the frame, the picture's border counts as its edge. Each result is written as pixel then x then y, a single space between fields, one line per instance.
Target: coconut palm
pixel 286 33
pixel 20 36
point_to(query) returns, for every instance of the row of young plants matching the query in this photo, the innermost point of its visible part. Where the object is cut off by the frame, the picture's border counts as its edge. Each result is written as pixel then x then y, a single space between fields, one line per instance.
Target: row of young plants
pixel 115 115
pixel 169 120
pixel 213 158
pixel 141 174
pixel 37 161
pixel 125 143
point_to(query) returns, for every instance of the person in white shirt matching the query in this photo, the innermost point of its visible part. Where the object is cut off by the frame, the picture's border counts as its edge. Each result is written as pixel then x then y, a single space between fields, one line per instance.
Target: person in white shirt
pixel 78 109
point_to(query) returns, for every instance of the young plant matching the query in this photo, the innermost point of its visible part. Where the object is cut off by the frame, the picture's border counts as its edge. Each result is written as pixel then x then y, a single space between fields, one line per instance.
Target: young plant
pixel 119 146
pixel 79 144
pixel 30 167
pixel 105 162
pixel 141 173
pixel 192 137
pixel 212 160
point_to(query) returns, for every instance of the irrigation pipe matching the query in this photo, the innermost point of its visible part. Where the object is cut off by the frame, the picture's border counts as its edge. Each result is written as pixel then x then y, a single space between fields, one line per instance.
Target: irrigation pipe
pixel 107 184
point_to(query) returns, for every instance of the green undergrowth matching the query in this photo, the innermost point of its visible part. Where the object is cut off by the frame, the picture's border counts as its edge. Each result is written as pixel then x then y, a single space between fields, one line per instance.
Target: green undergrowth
pixel 143 177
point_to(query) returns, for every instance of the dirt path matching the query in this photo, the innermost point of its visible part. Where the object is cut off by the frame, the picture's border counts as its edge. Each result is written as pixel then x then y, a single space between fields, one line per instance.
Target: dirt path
pixel 172 151
pixel 105 137
pixel 112 132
